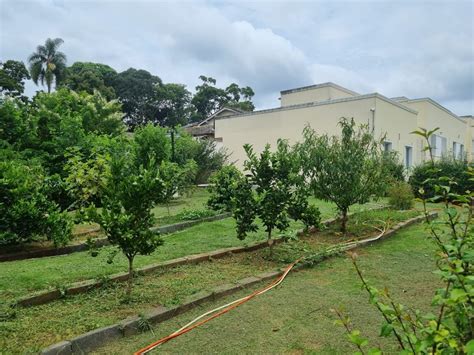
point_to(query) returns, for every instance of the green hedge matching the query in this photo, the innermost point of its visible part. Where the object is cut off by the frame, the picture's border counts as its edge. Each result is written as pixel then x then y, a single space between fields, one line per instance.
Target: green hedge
pixel 427 175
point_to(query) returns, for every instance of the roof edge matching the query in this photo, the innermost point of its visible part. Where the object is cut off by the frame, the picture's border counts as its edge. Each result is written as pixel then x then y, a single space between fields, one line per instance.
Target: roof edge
pixel 441 107
pixel 321 103
pixel 316 86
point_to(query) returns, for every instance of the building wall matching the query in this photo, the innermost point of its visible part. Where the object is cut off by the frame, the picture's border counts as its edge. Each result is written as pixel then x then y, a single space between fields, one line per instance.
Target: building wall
pixel 453 128
pixel 396 124
pixel 261 128
pixel 316 94
pixel 322 106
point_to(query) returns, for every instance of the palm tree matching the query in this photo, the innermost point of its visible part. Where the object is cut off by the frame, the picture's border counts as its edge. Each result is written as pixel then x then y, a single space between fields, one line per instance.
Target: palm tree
pixel 47 63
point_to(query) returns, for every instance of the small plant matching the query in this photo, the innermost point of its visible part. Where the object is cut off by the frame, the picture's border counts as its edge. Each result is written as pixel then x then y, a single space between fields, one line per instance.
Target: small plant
pixel 451 330
pixel 195 214
pixel 144 325
pixel 400 195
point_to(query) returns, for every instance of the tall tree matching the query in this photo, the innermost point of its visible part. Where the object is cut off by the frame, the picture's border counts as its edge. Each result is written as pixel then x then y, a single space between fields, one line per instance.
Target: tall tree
pixel 174 109
pixel 209 98
pixel 86 76
pixel 136 90
pixel 12 78
pixel 48 64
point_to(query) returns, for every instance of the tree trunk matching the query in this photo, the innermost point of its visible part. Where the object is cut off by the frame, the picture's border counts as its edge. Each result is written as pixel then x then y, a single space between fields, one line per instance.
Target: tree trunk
pixel 344 221
pixel 270 242
pixel 130 276
pixel 172 145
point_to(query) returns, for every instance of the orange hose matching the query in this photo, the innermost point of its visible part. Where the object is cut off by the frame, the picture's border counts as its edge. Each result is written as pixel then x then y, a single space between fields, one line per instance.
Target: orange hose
pixel 225 310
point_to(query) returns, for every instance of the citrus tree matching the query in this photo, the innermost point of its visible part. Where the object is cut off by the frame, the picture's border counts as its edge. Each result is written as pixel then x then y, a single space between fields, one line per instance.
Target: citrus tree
pixel 344 170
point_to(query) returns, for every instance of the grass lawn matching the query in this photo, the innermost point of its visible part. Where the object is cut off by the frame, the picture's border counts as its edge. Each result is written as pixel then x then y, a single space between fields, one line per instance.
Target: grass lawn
pixel 198 200
pixel 295 318
pixel 36 327
pixel 18 278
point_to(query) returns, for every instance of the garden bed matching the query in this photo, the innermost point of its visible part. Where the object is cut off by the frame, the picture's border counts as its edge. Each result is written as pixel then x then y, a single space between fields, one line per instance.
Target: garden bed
pixel 41 252
pixel 19 278
pixel 39 326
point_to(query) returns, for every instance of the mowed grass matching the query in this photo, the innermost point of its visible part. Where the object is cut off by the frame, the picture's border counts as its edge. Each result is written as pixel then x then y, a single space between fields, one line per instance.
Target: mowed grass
pixel 168 214
pixel 295 318
pixel 36 327
pixel 19 278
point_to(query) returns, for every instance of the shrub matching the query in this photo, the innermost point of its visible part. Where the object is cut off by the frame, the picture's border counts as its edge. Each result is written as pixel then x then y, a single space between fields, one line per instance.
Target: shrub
pixel 223 184
pixel 194 214
pixel 26 212
pixel 400 195
pixel 427 175
pixel 151 142
pixel 392 166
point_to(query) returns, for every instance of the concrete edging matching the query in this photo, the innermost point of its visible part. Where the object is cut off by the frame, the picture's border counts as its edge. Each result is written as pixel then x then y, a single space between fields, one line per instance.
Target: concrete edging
pixel 99 337
pixel 75 288
pixel 99 242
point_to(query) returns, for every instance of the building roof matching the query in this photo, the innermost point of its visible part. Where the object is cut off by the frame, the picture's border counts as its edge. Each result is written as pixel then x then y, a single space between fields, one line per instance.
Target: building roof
pixel 320 103
pixel 434 103
pixel 317 86
pixel 235 111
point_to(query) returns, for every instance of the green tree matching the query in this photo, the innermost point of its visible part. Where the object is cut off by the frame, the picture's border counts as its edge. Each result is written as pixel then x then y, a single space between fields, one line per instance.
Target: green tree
pixel 151 144
pixel 173 109
pixel 221 188
pixel 451 329
pixel 127 199
pixel 273 175
pixel 136 90
pixel 208 98
pixel 344 170
pixel 16 126
pixel 86 76
pixel 12 78
pixel 47 64
pixel 26 212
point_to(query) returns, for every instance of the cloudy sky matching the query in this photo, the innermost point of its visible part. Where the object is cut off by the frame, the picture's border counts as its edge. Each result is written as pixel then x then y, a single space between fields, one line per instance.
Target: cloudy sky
pixel 397 48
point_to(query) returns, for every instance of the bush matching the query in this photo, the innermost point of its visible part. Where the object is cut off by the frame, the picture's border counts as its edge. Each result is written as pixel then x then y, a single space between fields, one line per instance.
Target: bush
pixel 428 175
pixel 400 195
pixel 192 215
pixel 223 184
pixel 392 166
pixel 26 212
pixel 151 142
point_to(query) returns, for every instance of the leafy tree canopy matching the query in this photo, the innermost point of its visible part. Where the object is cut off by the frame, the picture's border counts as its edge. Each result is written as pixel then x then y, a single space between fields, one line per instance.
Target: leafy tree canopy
pixel 12 78
pixel 86 76
pixel 344 170
pixel 209 98
pixel 136 90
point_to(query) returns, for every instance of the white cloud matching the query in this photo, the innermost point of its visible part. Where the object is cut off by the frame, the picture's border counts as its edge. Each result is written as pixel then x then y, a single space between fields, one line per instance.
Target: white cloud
pixel 406 48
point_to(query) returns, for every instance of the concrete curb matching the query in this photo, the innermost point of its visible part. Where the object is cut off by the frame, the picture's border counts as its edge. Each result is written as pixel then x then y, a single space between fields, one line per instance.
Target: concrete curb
pixel 99 337
pixel 47 296
pixel 99 242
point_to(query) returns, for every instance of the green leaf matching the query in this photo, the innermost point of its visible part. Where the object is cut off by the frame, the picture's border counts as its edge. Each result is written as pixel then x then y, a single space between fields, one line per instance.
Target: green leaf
pixel 386 330
pixel 469 347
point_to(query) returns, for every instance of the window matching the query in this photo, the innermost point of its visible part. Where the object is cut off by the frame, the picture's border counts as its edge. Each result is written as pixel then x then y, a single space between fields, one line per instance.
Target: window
pixel 408 157
pixel 458 150
pixel 387 146
pixel 438 145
